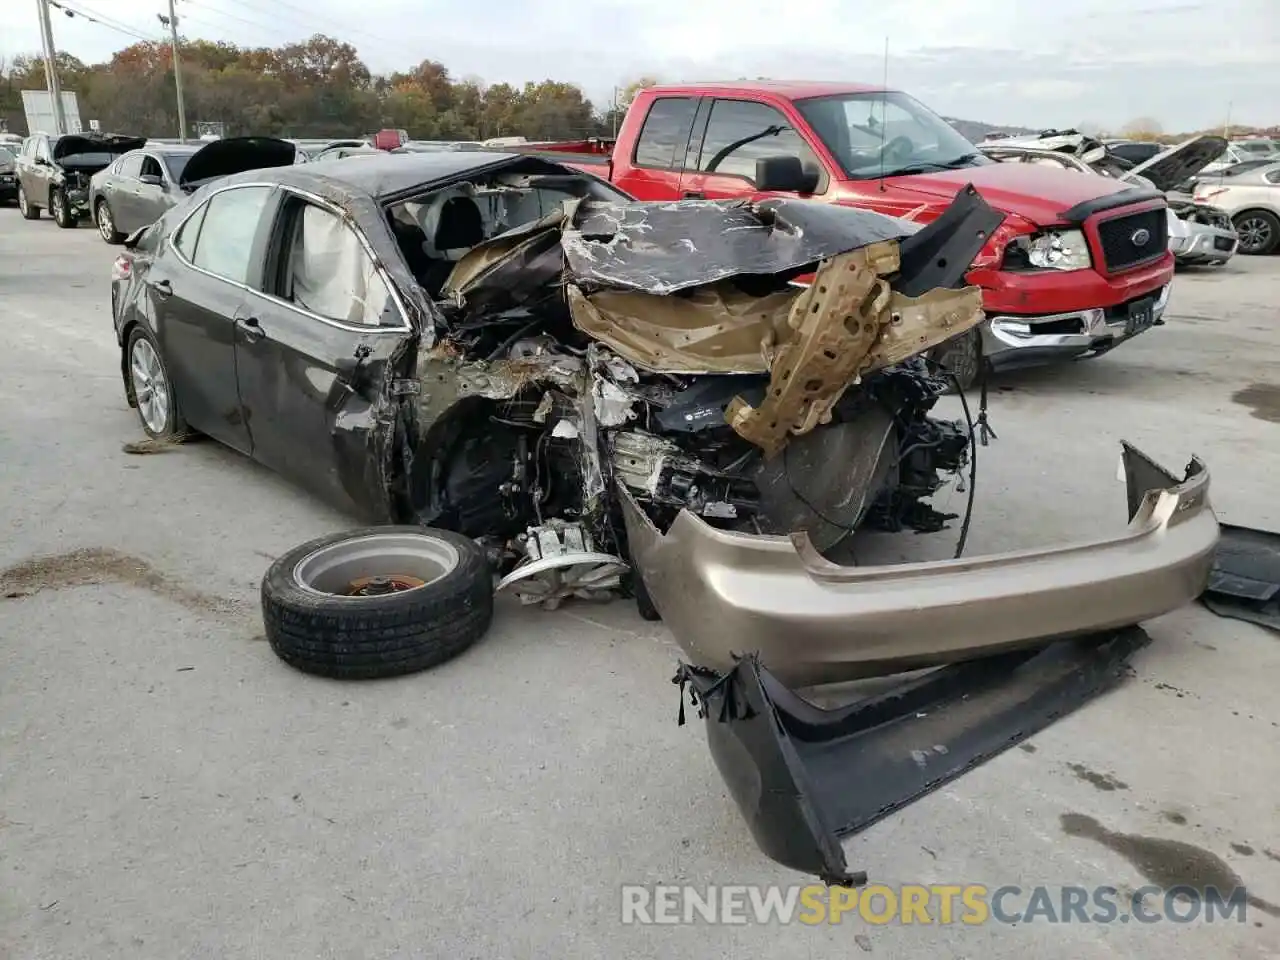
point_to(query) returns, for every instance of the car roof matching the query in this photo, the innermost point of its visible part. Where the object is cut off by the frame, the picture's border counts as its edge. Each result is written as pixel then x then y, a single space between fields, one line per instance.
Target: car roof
pixel 790 89
pixel 380 176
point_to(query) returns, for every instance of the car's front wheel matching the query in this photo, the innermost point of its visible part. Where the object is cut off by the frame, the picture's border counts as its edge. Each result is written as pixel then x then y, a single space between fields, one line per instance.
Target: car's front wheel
pixel 152 389
pixel 107 223
pixel 24 205
pixel 61 210
pixel 1259 231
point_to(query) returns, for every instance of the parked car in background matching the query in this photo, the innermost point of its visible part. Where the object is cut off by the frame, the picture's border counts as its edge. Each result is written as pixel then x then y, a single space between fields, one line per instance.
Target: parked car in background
pixel 1250 194
pixel 54 172
pixel 1257 149
pixel 1080 264
pixel 8 176
pixel 138 188
pixel 1199 233
pixel 344 148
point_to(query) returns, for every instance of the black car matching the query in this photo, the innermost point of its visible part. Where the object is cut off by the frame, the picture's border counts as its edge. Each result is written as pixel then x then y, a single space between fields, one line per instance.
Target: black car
pixel 138 188
pixel 54 172
pixel 401 333
pixel 8 175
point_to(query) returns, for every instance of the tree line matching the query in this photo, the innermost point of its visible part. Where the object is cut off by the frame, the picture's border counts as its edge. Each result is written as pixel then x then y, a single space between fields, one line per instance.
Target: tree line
pixel 316 88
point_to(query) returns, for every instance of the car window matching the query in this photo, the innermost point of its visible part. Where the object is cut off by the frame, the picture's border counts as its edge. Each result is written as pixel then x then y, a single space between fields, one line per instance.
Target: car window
pixel 327 271
pixel 131 165
pixel 185 238
pixel 151 167
pixel 5 155
pixel 741 132
pixel 224 246
pixel 42 148
pixel 1273 176
pixel 176 162
pixel 665 133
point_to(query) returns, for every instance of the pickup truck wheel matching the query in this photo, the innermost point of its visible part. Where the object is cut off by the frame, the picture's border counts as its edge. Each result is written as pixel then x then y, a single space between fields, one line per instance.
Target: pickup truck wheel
pixel 61 210
pixel 107 223
pixel 1259 231
pixel 24 206
pixel 961 357
pixel 377 602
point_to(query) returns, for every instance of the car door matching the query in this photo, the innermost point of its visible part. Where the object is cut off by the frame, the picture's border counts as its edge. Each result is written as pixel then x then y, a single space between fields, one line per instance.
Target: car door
pixel 120 192
pixel 656 161
pixel 197 286
pixel 41 174
pixel 150 192
pixel 311 353
pixel 722 157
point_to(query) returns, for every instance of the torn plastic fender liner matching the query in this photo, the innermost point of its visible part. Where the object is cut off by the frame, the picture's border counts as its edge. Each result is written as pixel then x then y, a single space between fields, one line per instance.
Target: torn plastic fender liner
pixel 803 777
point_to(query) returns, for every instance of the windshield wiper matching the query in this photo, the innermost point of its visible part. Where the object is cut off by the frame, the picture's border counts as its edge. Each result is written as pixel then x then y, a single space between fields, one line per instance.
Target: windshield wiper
pixel 931 166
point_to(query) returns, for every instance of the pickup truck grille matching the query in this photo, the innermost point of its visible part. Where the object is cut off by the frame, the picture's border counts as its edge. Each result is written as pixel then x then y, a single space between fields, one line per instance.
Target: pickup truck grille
pixel 1119 236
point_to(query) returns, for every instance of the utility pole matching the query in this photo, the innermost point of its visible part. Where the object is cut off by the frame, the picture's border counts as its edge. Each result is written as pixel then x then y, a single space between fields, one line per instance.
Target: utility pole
pixel 51 68
pixel 172 21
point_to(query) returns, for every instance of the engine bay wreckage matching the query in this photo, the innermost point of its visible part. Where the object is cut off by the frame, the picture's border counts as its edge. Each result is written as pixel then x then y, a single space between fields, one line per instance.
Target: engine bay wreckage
pixel 657 357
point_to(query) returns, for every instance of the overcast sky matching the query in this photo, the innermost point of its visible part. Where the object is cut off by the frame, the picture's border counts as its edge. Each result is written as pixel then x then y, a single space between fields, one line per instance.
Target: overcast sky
pixel 1001 61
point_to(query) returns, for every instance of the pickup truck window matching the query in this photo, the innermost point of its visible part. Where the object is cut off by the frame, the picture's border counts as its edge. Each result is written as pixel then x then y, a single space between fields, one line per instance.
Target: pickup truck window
pixel 890 133
pixel 740 132
pixel 665 133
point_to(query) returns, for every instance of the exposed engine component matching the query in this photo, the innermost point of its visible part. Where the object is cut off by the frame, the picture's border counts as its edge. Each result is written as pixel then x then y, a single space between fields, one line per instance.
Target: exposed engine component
pixel 662 475
pixel 560 562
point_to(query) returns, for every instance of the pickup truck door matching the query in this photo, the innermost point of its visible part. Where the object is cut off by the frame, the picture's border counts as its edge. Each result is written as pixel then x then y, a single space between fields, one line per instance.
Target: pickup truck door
pixel 653 171
pixel 732 134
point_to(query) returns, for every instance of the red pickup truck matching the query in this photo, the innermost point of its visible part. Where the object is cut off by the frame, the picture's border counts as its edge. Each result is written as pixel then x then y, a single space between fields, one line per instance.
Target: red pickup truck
pixel 1080 264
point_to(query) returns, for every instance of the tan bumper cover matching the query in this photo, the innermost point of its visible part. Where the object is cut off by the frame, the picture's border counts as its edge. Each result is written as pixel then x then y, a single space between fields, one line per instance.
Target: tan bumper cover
pixel 812 621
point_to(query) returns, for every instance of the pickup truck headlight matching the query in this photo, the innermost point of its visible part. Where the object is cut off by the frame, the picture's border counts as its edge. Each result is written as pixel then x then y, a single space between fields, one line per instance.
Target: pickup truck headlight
pixel 1057 250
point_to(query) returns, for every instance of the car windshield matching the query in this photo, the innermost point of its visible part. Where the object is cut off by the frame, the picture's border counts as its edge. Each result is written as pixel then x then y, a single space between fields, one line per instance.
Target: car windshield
pixel 175 163
pixel 1262 148
pixel 889 134
pixel 6 156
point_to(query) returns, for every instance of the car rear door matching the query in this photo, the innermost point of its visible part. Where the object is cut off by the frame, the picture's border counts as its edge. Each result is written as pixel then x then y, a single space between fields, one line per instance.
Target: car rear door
pixel 41 173
pixel 312 350
pixel 653 170
pixel 121 192
pixel 196 289
pixel 732 134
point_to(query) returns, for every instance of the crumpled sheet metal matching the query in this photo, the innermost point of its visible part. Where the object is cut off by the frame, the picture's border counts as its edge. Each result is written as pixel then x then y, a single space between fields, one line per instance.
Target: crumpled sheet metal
pixel 665 247
pixel 847 323
pixel 713 329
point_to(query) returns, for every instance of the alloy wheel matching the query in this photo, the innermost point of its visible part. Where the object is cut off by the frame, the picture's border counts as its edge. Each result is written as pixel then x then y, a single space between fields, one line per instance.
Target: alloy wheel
pixel 150 386
pixel 1255 234
pixel 106 226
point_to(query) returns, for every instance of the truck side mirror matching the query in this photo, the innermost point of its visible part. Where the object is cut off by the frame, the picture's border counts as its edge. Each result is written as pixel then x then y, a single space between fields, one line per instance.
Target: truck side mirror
pixel 785 174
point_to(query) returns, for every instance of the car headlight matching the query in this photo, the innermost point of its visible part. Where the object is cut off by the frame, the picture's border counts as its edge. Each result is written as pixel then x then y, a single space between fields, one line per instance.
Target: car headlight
pixel 1058 250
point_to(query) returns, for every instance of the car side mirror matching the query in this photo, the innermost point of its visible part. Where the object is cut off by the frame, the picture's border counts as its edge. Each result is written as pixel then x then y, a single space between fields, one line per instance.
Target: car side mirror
pixel 41 162
pixel 151 179
pixel 785 174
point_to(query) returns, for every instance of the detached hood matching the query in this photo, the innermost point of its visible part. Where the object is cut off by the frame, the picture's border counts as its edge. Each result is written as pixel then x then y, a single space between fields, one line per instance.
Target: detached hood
pixel 1033 191
pixel 1177 164
pixel 76 143
pixel 222 158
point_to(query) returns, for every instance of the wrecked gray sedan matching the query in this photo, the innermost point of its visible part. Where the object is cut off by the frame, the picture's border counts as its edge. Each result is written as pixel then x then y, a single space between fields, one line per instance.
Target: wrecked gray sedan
pixel 515 351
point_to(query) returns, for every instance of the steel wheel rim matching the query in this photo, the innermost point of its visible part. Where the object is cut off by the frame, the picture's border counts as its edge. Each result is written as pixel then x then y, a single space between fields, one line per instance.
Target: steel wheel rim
pixel 106 226
pixel 150 386
pixel 1255 233
pixel 408 561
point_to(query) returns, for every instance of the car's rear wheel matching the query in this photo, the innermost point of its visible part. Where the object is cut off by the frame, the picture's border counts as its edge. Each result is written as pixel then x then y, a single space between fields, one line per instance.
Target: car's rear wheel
pixel 377 602
pixel 1259 231
pixel 24 205
pixel 107 223
pixel 61 210
pixel 152 389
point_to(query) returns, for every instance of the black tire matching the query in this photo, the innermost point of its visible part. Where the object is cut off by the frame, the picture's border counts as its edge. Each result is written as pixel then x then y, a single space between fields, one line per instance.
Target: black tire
pixel 644 602
pixel 1259 232
pixel 388 635
pixel 174 427
pixel 25 207
pixel 106 230
pixel 960 356
pixel 60 209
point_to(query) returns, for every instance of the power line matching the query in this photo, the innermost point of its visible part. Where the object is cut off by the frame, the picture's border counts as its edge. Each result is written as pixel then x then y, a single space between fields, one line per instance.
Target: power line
pixel 205 11
pixel 311 19
pixel 101 21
